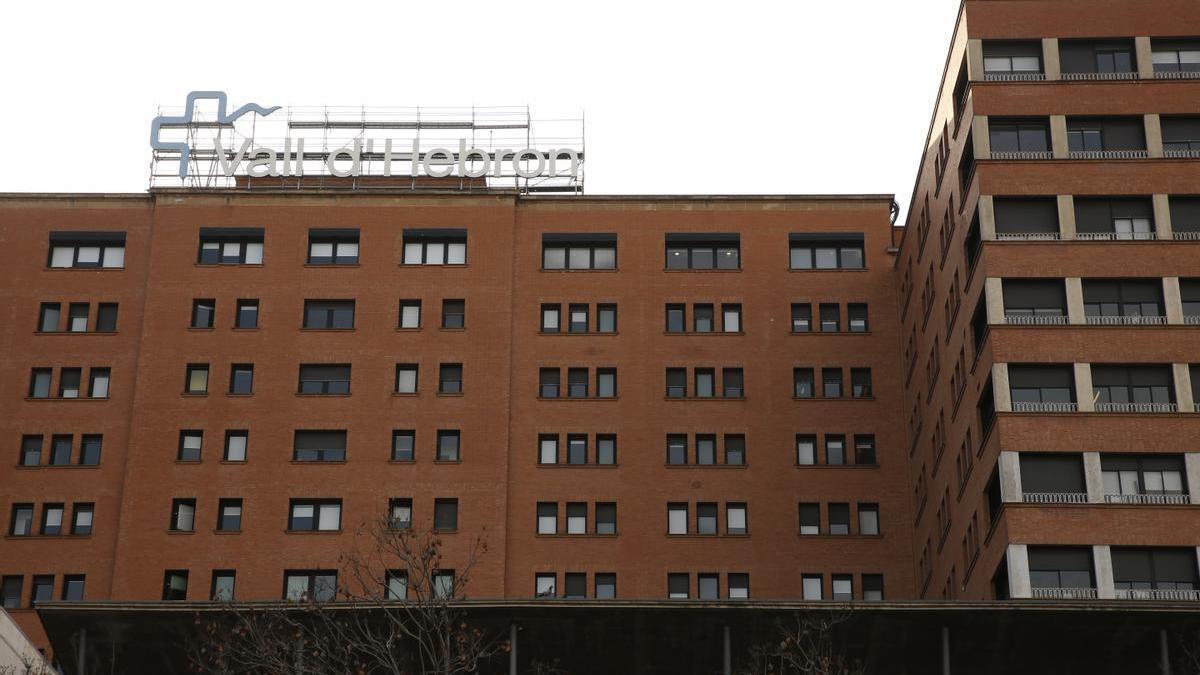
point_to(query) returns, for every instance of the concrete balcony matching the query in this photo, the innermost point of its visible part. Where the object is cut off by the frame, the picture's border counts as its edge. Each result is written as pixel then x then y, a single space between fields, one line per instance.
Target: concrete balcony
pixel 1138 320
pixel 1065 593
pixel 1181 154
pixel 1054 497
pixel 1099 76
pixel 1186 236
pixel 1109 154
pixel 1045 406
pixel 1168 594
pixel 1021 155
pixel 1137 407
pixel 1147 499
pixel 1180 75
pixel 1035 319
pixel 1116 236
pixel 1014 77
pixel 1028 236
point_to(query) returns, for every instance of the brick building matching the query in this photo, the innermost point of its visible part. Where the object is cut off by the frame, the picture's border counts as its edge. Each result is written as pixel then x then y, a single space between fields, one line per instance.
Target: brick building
pixel 648 398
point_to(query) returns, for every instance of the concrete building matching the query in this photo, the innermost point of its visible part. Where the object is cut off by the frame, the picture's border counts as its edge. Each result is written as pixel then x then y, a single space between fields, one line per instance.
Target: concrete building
pixel 783 401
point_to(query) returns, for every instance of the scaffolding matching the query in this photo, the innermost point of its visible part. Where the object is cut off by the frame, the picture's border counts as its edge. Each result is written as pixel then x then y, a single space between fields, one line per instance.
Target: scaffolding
pixel 496 134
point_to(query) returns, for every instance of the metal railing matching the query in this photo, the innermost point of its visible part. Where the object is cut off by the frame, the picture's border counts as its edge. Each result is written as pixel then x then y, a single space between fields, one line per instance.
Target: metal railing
pixel 1137 407
pixel 1157 594
pixel 1014 77
pixel 1181 75
pixel 1186 236
pixel 1116 236
pixel 1147 499
pixel 1036 319
pixel 1065 593
pixel 1054 497
pixel 1108 154
pixel 1181 154
pixel 1028 236
pixel 1045 406
pixel 1138 320
pixel 1100 76
pixel 1021 154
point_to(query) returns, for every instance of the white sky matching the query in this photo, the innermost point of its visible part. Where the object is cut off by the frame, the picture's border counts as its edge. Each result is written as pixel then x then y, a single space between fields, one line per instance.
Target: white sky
pixel 797 96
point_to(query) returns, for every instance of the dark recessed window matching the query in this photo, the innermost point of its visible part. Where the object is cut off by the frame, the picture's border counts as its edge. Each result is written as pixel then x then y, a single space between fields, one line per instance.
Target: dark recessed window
pixel 315 515
pixel 190 445
pixel 454 314
pixel 435 247
pixel 247 314
pixel 319 446
pixel 31 450
pixel 241 378
pixel 719 251
pixel 333 247
pixel 448 442
pixel 229 515
pixel 230 246
pixel 324 379
pixel 579 251
pixel 87 250
pixel 403 445
pixel 445 515
pixel 826 251
pixel 329 314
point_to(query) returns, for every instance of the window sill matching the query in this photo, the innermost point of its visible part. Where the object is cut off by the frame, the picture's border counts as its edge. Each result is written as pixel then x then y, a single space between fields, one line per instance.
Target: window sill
pixel 304 395
pixel 180 532
pixel 316 532
pixel 246 329
pixel 828 269
pixel 444 329
pixel 453 531
pixel 201 329
pixel 688 333
pixel 715 535
pixel 568 465
pixel 83 269
pixel 222 265
pixel 76 399
pixel 65 535
pixel 447 461
pixel 450 394
pixel 578 398
pixel 704 398
pixel 708 270
pixel 836 466
pixel 705 466
pixel 563 535
pixel 405 394
pixel 869 537
pixel 453 266
pixel 590 333
pixel 306 329
pixel 833 398
pixel 836 333
pixel 187 461
pixel 226 531
pixel 332 265
pixel 232 461
pixel 75 332
pixel 233 395
pixel 543 269
pixel 316 461
pixel 402 329
pixel 31 467
pixel 194 394
pixel 402 461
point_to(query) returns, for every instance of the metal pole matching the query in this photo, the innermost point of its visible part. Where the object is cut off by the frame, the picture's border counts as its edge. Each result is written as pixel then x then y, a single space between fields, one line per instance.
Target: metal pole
pixel 728 656
pixel 80 651
pixel 945 650
pixel 512 652
pixel 1164 652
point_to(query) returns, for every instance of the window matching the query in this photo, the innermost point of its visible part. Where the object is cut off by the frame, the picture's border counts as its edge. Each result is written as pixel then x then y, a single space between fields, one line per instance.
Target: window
pixel 731 318
pixel 577 517
pixel 1141 478
pixel 403 445
pixel 706 518
pixel 806 450
pixel 395 585
pixel 87 250
pixel 450 378
pixel 702 318
pixel 708 586
pixel 235 445
pixel 606 518
pixel 830 318
pixel 43 589
pixel 406 378
pixel 676 318
pixel 577 316
pixel 196 379
pixel 247 315
pixel 1060 568
pixel 835 449
pixel 241 379
pixel 1092 56
pixel 203 312
pixel 1189 291
pixel 435 247
pixel 577 450
pixel 551 319
pixel 839 519
pixel 1041 387
pixel 843 587
pixel 31 450
pixel 810 585
pixel 52 519
pixel 801 317
pixel 857 318
pixel 325 379
pixel 606 382
pixel 826 251
pixel 329 314
pixel 315 515
pixel 1176 56
pixel 106 317
pixel 676 382
pixel 39 383
pixel 1140 388
pixel 1111 218
pixel 860 383
pixel 1097 134
pixel 400 513
pixel 183 515
pixel 548 382
pixel 448 441
pixel 22 520
pixel 229 515
pixel 1123 301
pixel 583 251
pixel 548 449
pixel 544 585
pixel 72 590
pixel 577 382
pixel 677 449
pixel 445 515
pixel 319 446
pixel 678 586
pixel 60 450
pixel 606 585
pixel 868 519
pixel 77 317
pixel 864 449
pixel 10 591
pixel 190 444
pixel 606 318
pixel 49 316
pixel 734 387
pixel 677 519
pixel 231 246
pixel 1019 135
pixel 547 518
pixel 606 449
pixel 98 379
pixel 1001 59
pixel 444 584
pixel 1034 301
pixel 223 582
pixel 705 382
pixel 802 382
pixel 333 247
pixel 410 314
pixel 1137 572
pixel 706 449
pixel 831 382
pixel 703 252
pixel 872 587
pixel 735 518
pixel 309 585
pixel 89 449
pixel 810 519
pixel 454 314
pixel 69 382
pixel 1181 136
pixel 175 584
pixel 1044 476
pixel 735 449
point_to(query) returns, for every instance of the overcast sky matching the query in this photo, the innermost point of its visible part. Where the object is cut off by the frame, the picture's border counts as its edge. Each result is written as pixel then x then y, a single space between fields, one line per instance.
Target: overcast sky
pixel 743 97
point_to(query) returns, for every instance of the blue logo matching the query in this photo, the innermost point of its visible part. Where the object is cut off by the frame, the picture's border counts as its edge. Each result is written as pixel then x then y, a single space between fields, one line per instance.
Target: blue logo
pixel 186 118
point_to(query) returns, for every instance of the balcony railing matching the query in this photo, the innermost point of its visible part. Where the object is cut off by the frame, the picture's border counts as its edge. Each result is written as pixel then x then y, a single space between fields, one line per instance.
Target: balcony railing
pixel 1137 407
pixel 1014 77
pixel 1028 236
pixel 1186 236
pixel 1181 154
pixel 1181 75
pixel 1116 236
pixel 1021 154
pixel 1147 499
pixel 1065 593
pixel 1036 319
pixel 1108 154
pixel 1054 497
pixel 1045 406
pixel 1157 594
pixel 1139 320
pixel 1099 76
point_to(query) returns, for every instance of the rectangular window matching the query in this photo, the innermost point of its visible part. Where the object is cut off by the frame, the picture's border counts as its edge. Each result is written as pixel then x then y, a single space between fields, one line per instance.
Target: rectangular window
pixel 606 318
pixel 735 449
pixel 43 589
pixel 235 445
pixel 445 515
pixel 49 317
pixel 450 378
pixel 835 449
pixel 229 515
pixel 735 518
pixel 1126 218
pixel 606 585
pixel 87 250
pixel 547 518
pixel 31 450
pixel 577 517
pixel 1011 58
pixel 577 318
pixel 69 382
pixel 230 246
pixel 11 588
pixel 333 247
pixel 1176 56
pixel 857 318
pixel 676 318
pixel 444 585
pixel 731 318
pixel 223 582
pixel 403 445
pixel 39 383
pixel 810 585
pixel 719 251
pixel 551 319
pixel 544 585
pixel 89 449
pixel 548 382
pixel 802 382
pixel 575 585
pixel 106 317
pixel 577 449
pixel 864 449
pixel 843 587
pixel 706 449
pixel 872 587
pixel 702 319
pixel 60 450
pixel 247 314
pixel 606 449
pixel 1059 568
pixel 319 446
pixel 400 513
pixel 448 442
pixel 732 382
pixel 1009 135
pixel 183 515
pixel 52 519
pixel 831 382
pixel 705 382
pixel 801 317
pixel 241 379
pixel 868 519
pixel 678 586
pixel 706 518
pixel 677 449
pixel 454 314
pixel 329 314
pixel 860 383
pixel 1137 388
pixel 435 247
pixel 98 379
pixel 806 450
pixel 196 379
pixel 325 378
pixel 577 382
pixel 708 586
pixel 606 518
pixel 826 251
pixel 810 519
pixel 738 585
pixel 839 519
pixel 582 251
pixel 190 444
pixel 677 519
pixel 676 382
pixel 72 590
pixel 830 318
pixel 410 314
pixel 1025 217
pixel 548 449
pixel 1141 478
pixel 606 382
pixel 203 313
pixel 315 515
pixel 77 317
pixel 21 524
pixel 406 378
pixel 309 585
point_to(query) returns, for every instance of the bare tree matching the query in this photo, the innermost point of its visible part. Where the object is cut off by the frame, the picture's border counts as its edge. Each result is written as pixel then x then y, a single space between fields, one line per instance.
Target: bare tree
pixel 29 666
pixel 1187 653
pixel 807 644
pixel 395 611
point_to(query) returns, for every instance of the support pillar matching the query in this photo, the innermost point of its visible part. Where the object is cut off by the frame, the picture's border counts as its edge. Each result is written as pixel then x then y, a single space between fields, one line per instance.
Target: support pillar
pixel 728 667
pixel 1000 388
pixel 1163 228
pixel 1066 216
pixel 1106 588
pixel 1084 396
pixel 1019 585
pixel 993 295
pixel 1185 398
pixel 945 650
pixel 1173 300
pixel 1010 477
pixel 1164 651
pixel 1075 312
pixel 1191 467
pixel 1051 63
pixel 1093 477
pixel 512 652
pixel 987 218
